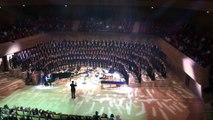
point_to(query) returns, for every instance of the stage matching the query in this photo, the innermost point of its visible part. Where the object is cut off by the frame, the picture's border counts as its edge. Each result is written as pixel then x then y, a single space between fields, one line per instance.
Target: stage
pixel 131 103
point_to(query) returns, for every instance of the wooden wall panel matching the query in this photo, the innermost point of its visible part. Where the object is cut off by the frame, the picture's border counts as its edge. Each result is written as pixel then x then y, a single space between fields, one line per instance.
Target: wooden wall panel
pixel 21 44
pixel 181 62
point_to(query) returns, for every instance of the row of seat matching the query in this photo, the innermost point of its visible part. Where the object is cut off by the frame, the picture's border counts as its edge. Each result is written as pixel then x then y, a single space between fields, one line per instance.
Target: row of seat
pixel 54 117
pixel 17 113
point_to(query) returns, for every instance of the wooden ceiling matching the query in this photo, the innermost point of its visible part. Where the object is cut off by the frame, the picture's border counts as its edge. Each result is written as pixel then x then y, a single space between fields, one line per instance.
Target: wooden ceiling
pixel 201 5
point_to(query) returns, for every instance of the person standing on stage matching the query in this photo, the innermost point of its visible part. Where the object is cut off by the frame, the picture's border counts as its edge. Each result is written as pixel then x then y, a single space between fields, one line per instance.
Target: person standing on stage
pixel 72 85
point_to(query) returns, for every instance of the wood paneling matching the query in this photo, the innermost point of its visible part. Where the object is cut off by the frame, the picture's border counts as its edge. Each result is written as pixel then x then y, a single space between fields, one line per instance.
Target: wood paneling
pixel 177 60
pixel 21 44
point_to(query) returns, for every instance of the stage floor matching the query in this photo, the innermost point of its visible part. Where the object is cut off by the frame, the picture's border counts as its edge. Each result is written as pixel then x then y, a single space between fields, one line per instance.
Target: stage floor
pixel 131 103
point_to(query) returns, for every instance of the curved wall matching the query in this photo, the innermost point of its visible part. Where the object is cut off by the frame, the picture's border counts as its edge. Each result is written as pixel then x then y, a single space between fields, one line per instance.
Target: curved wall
pixel 21 44
pixel 182 62
pixel 185 67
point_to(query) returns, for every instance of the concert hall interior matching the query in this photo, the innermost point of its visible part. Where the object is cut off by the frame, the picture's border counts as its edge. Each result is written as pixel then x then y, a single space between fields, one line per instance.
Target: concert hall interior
pixel 122 60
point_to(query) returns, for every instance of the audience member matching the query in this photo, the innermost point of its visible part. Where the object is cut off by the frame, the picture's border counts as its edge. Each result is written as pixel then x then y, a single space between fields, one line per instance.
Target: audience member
pixel 96 116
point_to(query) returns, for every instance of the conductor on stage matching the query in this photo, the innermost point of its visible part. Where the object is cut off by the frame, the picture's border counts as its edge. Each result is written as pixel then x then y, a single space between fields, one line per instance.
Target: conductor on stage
pixel 72 85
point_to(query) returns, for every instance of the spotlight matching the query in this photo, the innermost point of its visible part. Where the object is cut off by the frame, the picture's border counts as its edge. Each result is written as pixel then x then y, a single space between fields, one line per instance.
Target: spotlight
pixel 0 7
pixel 207 12
pixel 23 5
pixel 65 5
pixel 152 7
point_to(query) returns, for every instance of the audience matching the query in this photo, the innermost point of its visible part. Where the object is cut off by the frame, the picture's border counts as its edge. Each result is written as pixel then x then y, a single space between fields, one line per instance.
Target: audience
pixel 28 27
pixel 1 115
pixel 20 113
pixel 18 30
pixel 181 35
pixel 184 37
pixel 112 117
pixel 107 25
pixel 96 116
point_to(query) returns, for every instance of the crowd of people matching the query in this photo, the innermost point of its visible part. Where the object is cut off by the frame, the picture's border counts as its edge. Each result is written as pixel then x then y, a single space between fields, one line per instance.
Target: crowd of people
pixel 194 45
pixel 104 116
pixel 181 35
pixel 29 26
pixel 27 113
pixel 109 25
pixel 54 24
pixel 162 27
pixel 21 29
pixel 52 56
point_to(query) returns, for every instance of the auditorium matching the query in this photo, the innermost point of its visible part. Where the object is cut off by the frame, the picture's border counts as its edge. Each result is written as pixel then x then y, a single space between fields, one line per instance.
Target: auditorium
pixel 106 60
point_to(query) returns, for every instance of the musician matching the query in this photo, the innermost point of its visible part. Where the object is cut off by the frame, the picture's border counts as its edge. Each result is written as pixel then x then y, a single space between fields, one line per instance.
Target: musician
pixel 72 85
pixel 42 79
pixel 49 80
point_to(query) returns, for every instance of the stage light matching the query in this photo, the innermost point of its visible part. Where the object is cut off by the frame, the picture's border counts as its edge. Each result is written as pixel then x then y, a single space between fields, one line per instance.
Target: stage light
pixel 0 7
pixel 23 5
pixel 152 7
pixel 207 12
pixel 65 5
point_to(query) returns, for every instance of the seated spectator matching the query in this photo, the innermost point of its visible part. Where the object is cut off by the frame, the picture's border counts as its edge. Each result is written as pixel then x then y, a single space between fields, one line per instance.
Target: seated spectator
pixel 22 118
pixel 43 113
pixel 112 117
pixel 13 112
pixel 5 109
pixel 1 116
pixel 49 115
pixel 96 116
pixel 118 117
pixel 35 112
pixel 21 108
pixel 104 115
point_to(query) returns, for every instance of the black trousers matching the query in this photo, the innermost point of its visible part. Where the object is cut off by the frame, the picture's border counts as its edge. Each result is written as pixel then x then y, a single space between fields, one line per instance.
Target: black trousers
pixel 73 94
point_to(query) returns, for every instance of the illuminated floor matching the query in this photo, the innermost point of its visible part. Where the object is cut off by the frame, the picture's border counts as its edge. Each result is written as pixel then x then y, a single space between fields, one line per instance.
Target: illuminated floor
pixel 165 103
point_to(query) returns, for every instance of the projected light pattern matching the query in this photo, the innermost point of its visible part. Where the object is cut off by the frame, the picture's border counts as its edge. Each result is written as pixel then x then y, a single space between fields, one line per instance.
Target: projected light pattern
pixel 188 65
pixel 0 61
pixel 41 87
pixel 133 104
pixel 15 47
pixel 129 103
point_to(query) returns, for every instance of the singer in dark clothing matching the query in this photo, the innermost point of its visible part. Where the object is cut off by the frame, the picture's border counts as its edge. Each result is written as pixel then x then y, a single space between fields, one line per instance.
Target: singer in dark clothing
pixel 72 85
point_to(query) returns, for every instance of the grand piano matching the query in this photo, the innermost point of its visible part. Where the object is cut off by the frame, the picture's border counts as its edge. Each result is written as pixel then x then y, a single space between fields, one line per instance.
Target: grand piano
pixel 111 82
pixel 60 75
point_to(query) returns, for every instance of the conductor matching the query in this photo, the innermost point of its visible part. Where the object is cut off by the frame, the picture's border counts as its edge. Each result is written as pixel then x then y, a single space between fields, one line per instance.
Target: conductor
pixel 72 85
